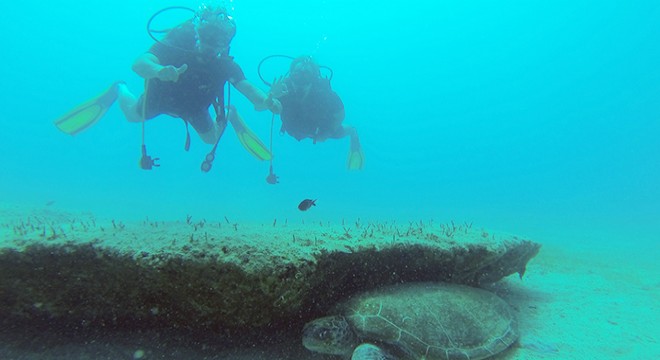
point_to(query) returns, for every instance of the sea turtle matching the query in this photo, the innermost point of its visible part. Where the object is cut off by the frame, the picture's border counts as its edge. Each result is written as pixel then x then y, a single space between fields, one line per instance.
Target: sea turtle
pixel 420 321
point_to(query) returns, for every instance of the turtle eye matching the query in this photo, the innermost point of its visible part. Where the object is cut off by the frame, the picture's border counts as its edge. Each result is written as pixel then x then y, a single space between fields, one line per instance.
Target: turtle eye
pixel 323 334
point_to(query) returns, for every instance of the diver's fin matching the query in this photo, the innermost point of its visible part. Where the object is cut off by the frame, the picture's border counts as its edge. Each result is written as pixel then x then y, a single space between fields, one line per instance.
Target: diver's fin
pixel 88 113
pixel 356 159
pixel 355 154
pixel 248 139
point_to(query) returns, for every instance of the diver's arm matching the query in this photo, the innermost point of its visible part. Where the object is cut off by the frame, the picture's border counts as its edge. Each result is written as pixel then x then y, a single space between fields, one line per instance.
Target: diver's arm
pixel 148 67
pixel 257 97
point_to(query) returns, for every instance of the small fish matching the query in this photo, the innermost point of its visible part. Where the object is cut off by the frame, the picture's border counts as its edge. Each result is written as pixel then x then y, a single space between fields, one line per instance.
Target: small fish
pixel 306 204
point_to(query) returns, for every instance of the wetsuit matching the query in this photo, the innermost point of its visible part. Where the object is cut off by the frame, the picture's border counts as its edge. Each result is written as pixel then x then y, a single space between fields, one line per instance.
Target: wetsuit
pixel 197 88
pixel 311 115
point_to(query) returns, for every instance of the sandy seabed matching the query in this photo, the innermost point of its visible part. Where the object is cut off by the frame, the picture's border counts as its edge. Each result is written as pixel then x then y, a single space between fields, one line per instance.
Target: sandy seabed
pixel 575 302
pixel 578 302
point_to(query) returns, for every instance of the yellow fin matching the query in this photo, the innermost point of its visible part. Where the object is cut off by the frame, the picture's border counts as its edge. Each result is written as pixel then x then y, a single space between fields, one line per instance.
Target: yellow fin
pixel 247 137
pixel 356 159
pixel 87 114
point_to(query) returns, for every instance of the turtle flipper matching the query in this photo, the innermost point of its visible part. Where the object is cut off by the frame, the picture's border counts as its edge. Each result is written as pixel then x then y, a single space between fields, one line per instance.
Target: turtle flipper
pixel 370 352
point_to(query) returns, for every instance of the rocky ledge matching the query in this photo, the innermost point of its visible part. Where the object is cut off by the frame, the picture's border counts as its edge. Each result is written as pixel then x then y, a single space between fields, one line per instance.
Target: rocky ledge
pixel 225 276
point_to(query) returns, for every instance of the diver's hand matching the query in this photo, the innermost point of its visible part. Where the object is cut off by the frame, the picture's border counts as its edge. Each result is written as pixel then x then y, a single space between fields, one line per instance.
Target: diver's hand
pixel 279 88
pixel 270 103
pixel 276 107
pixel 171 73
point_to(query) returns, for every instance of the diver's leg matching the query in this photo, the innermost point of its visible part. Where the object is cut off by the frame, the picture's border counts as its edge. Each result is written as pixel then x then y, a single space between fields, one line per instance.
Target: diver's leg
pixel 343 132
pixel 210 136
pixel 346 131
pixel 209 131
pixel 355 154
pixel 355 140
pixel 128 103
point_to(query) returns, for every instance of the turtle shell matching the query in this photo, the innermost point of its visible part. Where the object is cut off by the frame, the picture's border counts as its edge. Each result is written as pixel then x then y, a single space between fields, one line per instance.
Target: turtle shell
pixel 433 321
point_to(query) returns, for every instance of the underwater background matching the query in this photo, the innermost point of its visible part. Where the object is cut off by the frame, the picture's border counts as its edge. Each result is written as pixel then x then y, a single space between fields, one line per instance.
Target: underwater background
pixel 539 118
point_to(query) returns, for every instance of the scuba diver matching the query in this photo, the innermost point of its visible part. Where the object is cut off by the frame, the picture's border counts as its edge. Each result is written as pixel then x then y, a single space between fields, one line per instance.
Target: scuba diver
pixel 184 74
pixel 311 109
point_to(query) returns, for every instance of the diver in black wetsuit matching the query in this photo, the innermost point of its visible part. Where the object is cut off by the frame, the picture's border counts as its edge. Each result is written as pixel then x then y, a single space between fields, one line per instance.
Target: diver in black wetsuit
pixel 185 74
pixel 311 109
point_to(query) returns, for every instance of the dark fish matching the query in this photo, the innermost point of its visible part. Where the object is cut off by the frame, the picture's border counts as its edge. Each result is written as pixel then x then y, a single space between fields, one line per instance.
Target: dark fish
pixel 306 204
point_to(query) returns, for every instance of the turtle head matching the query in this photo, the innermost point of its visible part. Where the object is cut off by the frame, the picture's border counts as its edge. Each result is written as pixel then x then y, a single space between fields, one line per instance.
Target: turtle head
pixel 330 335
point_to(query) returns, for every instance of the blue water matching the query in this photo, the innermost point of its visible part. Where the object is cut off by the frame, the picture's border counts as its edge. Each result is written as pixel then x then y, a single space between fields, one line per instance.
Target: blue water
pixel 538 118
